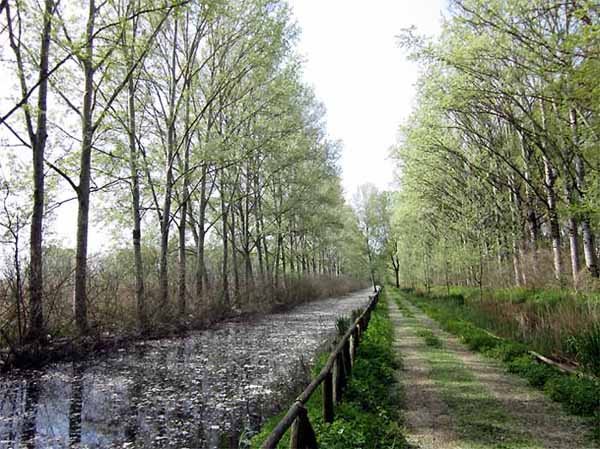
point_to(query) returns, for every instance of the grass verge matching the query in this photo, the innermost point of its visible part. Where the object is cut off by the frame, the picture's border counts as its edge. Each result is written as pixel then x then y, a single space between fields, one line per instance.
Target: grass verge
pixel 368 417
pixel 579 395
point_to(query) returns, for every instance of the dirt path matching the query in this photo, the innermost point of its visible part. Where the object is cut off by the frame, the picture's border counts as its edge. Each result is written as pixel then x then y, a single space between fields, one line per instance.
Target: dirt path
pixel 455 399
pixel 427 415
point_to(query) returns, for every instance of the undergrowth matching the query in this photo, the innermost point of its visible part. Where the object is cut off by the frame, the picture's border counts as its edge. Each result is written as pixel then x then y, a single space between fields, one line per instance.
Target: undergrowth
pixel 560 323
pixel 578 394
pixel 430 338
pixel 368 417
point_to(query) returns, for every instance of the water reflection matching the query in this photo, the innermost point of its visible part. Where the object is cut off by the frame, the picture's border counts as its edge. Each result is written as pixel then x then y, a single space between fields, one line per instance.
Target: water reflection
pixel 32 394
pixel 204 391
pixel 75 406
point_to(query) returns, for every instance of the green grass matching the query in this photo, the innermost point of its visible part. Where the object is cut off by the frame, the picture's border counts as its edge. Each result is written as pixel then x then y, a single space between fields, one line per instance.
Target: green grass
pixel 578 395
pixel 478 419
pixel 369 415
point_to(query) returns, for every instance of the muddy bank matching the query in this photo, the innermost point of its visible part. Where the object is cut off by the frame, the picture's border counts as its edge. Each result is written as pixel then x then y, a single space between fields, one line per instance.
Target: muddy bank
pixel 206 390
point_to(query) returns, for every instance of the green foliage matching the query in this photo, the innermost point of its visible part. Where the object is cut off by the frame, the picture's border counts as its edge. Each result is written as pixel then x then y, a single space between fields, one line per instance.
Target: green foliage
pixel 550 321
pixel 580 396
pixel 495 113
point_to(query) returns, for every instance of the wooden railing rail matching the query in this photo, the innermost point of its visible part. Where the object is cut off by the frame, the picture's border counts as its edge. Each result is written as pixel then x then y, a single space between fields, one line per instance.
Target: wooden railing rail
pixel 333 376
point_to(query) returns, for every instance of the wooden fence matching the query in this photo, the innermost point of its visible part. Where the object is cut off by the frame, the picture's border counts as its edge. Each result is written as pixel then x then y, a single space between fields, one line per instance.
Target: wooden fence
pixel 333 376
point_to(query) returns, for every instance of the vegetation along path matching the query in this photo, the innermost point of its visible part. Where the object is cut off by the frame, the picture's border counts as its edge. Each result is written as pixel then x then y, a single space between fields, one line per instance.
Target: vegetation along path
pixel 457 399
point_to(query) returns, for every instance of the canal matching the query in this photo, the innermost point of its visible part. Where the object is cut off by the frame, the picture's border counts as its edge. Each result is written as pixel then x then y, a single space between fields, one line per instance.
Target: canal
pixel 211 389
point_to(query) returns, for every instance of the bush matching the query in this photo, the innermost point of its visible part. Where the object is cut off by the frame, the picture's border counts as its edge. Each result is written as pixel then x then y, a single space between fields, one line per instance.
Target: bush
pixel 579 396
pixel 536 374
pixel 507 351
pixel 456 298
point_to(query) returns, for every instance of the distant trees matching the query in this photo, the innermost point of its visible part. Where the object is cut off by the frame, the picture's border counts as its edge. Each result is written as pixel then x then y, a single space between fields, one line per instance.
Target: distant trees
pixel 499 161
pixel 373 209
pixel 189 124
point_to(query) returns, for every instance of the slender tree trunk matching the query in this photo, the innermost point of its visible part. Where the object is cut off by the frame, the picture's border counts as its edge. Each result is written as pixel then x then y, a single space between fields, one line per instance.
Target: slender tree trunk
pixel 183 213
pixel 589 250
pixel 292 252
pixel 234 259
pixel 248 269
pixel 283 259
pixel 515 212
pixel 225 267
pixel 573 234
pixel 531 216
pixel 164 233
pixel 549 181
pixel 166 209
pixel 258 223
pixel 276 259
pixel 182 269
pixel 36 281
pixel 553 219
pixel 200 268
pixel 137 219
pixel 83 190
pixel 140 293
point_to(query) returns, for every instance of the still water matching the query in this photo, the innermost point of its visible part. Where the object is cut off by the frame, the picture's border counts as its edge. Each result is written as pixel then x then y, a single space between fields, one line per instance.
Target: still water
pixel 208 390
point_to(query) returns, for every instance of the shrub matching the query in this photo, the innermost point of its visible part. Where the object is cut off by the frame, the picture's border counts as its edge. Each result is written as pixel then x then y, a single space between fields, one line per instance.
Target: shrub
pixel 456 298
pixel 536 374
pixel 586 346
pixel 579 395
pixel 508 351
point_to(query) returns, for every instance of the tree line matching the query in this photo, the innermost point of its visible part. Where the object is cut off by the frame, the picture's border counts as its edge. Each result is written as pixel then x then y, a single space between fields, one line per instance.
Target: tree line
pixel 499 164
pixel 185 128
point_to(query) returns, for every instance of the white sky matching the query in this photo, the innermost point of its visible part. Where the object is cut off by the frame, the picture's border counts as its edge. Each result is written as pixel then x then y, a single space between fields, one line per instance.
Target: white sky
pixel 362 77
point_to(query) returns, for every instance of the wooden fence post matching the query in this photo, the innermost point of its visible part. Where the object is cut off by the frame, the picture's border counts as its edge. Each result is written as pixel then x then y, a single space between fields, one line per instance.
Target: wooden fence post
pixel 347 360
pixel 340 378
pixel 328 397
pixel 302 434
pixel 354 345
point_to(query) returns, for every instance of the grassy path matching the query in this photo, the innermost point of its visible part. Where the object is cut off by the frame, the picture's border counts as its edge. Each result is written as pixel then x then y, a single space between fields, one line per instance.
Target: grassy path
pixel 455 399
